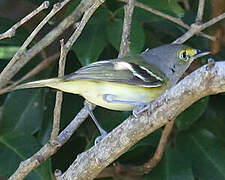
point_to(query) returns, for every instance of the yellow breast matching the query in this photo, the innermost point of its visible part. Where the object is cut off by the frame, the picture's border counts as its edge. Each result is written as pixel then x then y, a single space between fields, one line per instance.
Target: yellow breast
pixel 93 91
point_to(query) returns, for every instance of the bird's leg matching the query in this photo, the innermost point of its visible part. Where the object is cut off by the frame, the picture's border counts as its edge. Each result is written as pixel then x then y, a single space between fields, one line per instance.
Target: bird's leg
pixel 140 106
pixel 101 130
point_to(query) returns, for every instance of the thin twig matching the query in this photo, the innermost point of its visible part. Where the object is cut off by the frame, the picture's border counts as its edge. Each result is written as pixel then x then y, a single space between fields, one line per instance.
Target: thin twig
pixel 22 49
pixel 59 97
pixel 43 65
pixel 64 50
pixel 125 41
pixel 212 21
pixel 83 22
pixel 170 18
pixel 12 31
pixel 48 150
pixel 196 28
pixel 200 12
pixel 46 41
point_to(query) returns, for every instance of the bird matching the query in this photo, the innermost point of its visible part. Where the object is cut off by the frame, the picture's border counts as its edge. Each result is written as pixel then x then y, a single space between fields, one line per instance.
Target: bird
pixel 129 83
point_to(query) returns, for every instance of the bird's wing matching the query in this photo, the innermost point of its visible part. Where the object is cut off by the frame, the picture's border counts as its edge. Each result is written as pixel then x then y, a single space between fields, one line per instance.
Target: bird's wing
pixel 118 70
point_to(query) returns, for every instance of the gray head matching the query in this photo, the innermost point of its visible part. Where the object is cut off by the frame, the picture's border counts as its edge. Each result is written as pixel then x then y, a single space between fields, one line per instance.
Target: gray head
pixel 172 59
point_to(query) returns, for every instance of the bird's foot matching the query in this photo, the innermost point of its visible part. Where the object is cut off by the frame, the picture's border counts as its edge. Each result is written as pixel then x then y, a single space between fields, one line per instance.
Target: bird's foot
pixel 139 109
pixel 99 138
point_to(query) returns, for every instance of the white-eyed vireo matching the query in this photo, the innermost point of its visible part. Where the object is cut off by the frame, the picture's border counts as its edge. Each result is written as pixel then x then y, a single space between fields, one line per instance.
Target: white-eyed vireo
pixel 126 83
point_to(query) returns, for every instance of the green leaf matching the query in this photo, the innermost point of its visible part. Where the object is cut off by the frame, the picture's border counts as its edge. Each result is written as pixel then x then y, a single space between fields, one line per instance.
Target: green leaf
pixel 143 150
pixel 152 139
pixel 192 114
pixel 23 110
pixel 163 31
pixel 16 147
pixel 8 51
pixel 139 15
pixel 73 5
pixel 75 146
pixel 137 37
pixel 93 39
pixel 170 7
pixel 137 156
pixel 90 44
pixel 214 117
pixel 46 125
pixel 206 153
pixel 173 166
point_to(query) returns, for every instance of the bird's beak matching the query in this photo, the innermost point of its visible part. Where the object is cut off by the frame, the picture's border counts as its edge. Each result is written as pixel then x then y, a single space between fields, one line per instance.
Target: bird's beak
pixel 200 53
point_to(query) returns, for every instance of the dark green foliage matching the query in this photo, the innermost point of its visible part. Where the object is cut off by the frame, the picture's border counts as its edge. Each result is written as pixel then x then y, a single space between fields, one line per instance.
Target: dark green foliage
pixel 197 147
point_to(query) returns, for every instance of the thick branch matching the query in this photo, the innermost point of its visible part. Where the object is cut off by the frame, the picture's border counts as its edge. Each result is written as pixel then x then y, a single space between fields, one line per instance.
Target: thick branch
pixel 203 82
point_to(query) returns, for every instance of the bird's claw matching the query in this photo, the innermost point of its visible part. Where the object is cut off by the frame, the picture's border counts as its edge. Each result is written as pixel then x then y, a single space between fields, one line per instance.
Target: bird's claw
pixel 140 109
pixel 99 138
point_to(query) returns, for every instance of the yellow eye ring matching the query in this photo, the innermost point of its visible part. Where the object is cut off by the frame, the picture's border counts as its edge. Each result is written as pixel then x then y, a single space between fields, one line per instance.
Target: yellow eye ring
pixel 184 56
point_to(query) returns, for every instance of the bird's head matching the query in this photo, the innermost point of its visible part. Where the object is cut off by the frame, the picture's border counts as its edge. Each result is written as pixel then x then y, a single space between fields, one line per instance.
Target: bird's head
pixel 173 59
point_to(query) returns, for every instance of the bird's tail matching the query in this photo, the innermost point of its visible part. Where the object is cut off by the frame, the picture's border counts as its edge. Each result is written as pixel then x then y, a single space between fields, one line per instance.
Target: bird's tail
pixel 36 84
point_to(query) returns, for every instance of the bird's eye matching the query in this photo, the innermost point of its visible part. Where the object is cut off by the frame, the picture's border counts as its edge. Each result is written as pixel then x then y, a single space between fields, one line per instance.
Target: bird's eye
pixel 184 56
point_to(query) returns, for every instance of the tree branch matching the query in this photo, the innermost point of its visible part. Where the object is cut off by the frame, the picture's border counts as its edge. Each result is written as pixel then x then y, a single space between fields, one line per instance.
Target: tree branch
pixel 125 41
pixel 22 49
pixel 199 16
pixel 59 98
pixel 168 17
pixel 12 31
pixel 203 82
pixel 64 51
pixel 196 28
pixel 45 41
